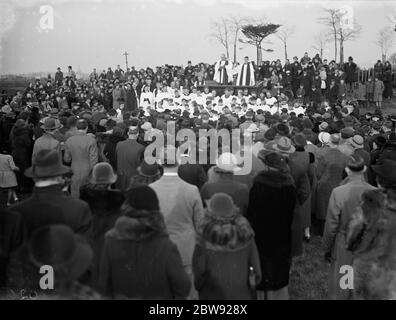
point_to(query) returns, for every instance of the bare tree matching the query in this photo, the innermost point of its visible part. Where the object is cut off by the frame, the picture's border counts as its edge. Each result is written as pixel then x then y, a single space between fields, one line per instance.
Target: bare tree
pixel 221 33
pixel 320 41
pixel 330 19
pixel 340 29
pixel 392 59
pixel 283 35
pixel 236 24
pixel 386 39
pixel 347 34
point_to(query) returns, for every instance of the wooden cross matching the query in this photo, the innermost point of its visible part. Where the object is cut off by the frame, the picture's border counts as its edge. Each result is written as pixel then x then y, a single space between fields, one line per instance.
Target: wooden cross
pixel 126 59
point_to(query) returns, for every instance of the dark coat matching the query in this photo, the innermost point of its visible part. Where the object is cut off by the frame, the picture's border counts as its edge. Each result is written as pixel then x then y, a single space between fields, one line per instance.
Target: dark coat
pixel 331 166
pixel 217 262
pixel 129 155
pixel 138 262
pixel 302 217
pixel 105 207
pixel 45 207
pixel 238 191
pixel 61 209
pixel 110 149
pixel 332 95
pixel 132 98
pixel 299 168
pixel 351 72
pixel 272 201
pixel 10 239
pixel 22 148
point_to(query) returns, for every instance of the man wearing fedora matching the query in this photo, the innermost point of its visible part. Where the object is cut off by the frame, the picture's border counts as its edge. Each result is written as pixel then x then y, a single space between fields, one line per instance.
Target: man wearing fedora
pixel 343 202
pixel 47 173
pixel 129 155
pixel 330 171
pixel 68 253
pixel 82 152
pixel 47 140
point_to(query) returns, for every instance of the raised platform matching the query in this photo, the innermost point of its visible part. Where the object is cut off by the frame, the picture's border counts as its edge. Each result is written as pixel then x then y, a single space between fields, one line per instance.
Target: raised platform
pixel 220 88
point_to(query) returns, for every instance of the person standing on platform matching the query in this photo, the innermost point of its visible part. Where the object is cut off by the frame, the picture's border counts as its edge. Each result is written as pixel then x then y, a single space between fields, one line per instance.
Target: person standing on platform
pixel 246 73
pixel 223 71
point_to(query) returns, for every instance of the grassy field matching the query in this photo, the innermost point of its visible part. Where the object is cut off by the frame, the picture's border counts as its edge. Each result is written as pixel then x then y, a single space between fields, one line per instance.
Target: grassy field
pixel 309 273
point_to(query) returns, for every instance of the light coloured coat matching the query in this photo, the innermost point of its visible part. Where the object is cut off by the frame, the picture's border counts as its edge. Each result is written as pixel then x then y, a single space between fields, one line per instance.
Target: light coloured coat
pixel 82 152
pixel 344 201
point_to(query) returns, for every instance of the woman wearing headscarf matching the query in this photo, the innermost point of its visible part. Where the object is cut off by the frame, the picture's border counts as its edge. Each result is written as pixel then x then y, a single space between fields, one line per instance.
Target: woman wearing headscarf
pixel 139 260
pixel 272 201
pixel 225 247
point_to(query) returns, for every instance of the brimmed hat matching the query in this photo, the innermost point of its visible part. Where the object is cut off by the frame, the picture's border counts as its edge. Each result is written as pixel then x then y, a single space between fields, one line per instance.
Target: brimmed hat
pixel 357 142
pixel 323 126
pixel 149 170
pixel 6 109
pixel 270 134
pixel 146 126
pixel 58 246
pixel 227 162
pixel 142 197
pixel 284 145
pixel 221 204
pixel 260 136
pixel 347 133
pixel 282 129
pixel 102 173
pixel 50 124
pixel 335 139
pixel 386 170
pixel 300 140
pixel 324 138
pixel 47 164
pixel 274 160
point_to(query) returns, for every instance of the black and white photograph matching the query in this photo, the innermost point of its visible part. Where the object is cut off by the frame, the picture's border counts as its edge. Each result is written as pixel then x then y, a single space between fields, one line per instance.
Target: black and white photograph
pixel 212 152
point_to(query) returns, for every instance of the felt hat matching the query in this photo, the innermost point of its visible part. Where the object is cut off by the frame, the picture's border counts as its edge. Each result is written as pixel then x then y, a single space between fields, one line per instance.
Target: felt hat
pixel 58 246
pixel 103 173
pixel 221 204
pixel 357 142
pixel 50 124
pixel 386 170
pixel 284 145
pixel 47 164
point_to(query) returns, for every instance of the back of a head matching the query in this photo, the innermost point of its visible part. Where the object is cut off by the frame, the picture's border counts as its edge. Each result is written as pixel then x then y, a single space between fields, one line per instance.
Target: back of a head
pixel 355 163
pixel 71 121
pixel 141 197
pixel 82 124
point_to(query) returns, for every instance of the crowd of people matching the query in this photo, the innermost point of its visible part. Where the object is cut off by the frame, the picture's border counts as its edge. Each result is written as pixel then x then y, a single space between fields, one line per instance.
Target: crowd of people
pixel 114 225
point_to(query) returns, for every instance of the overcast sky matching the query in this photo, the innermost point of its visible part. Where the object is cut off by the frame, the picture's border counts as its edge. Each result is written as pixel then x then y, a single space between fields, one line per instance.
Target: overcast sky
pixel 95 33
